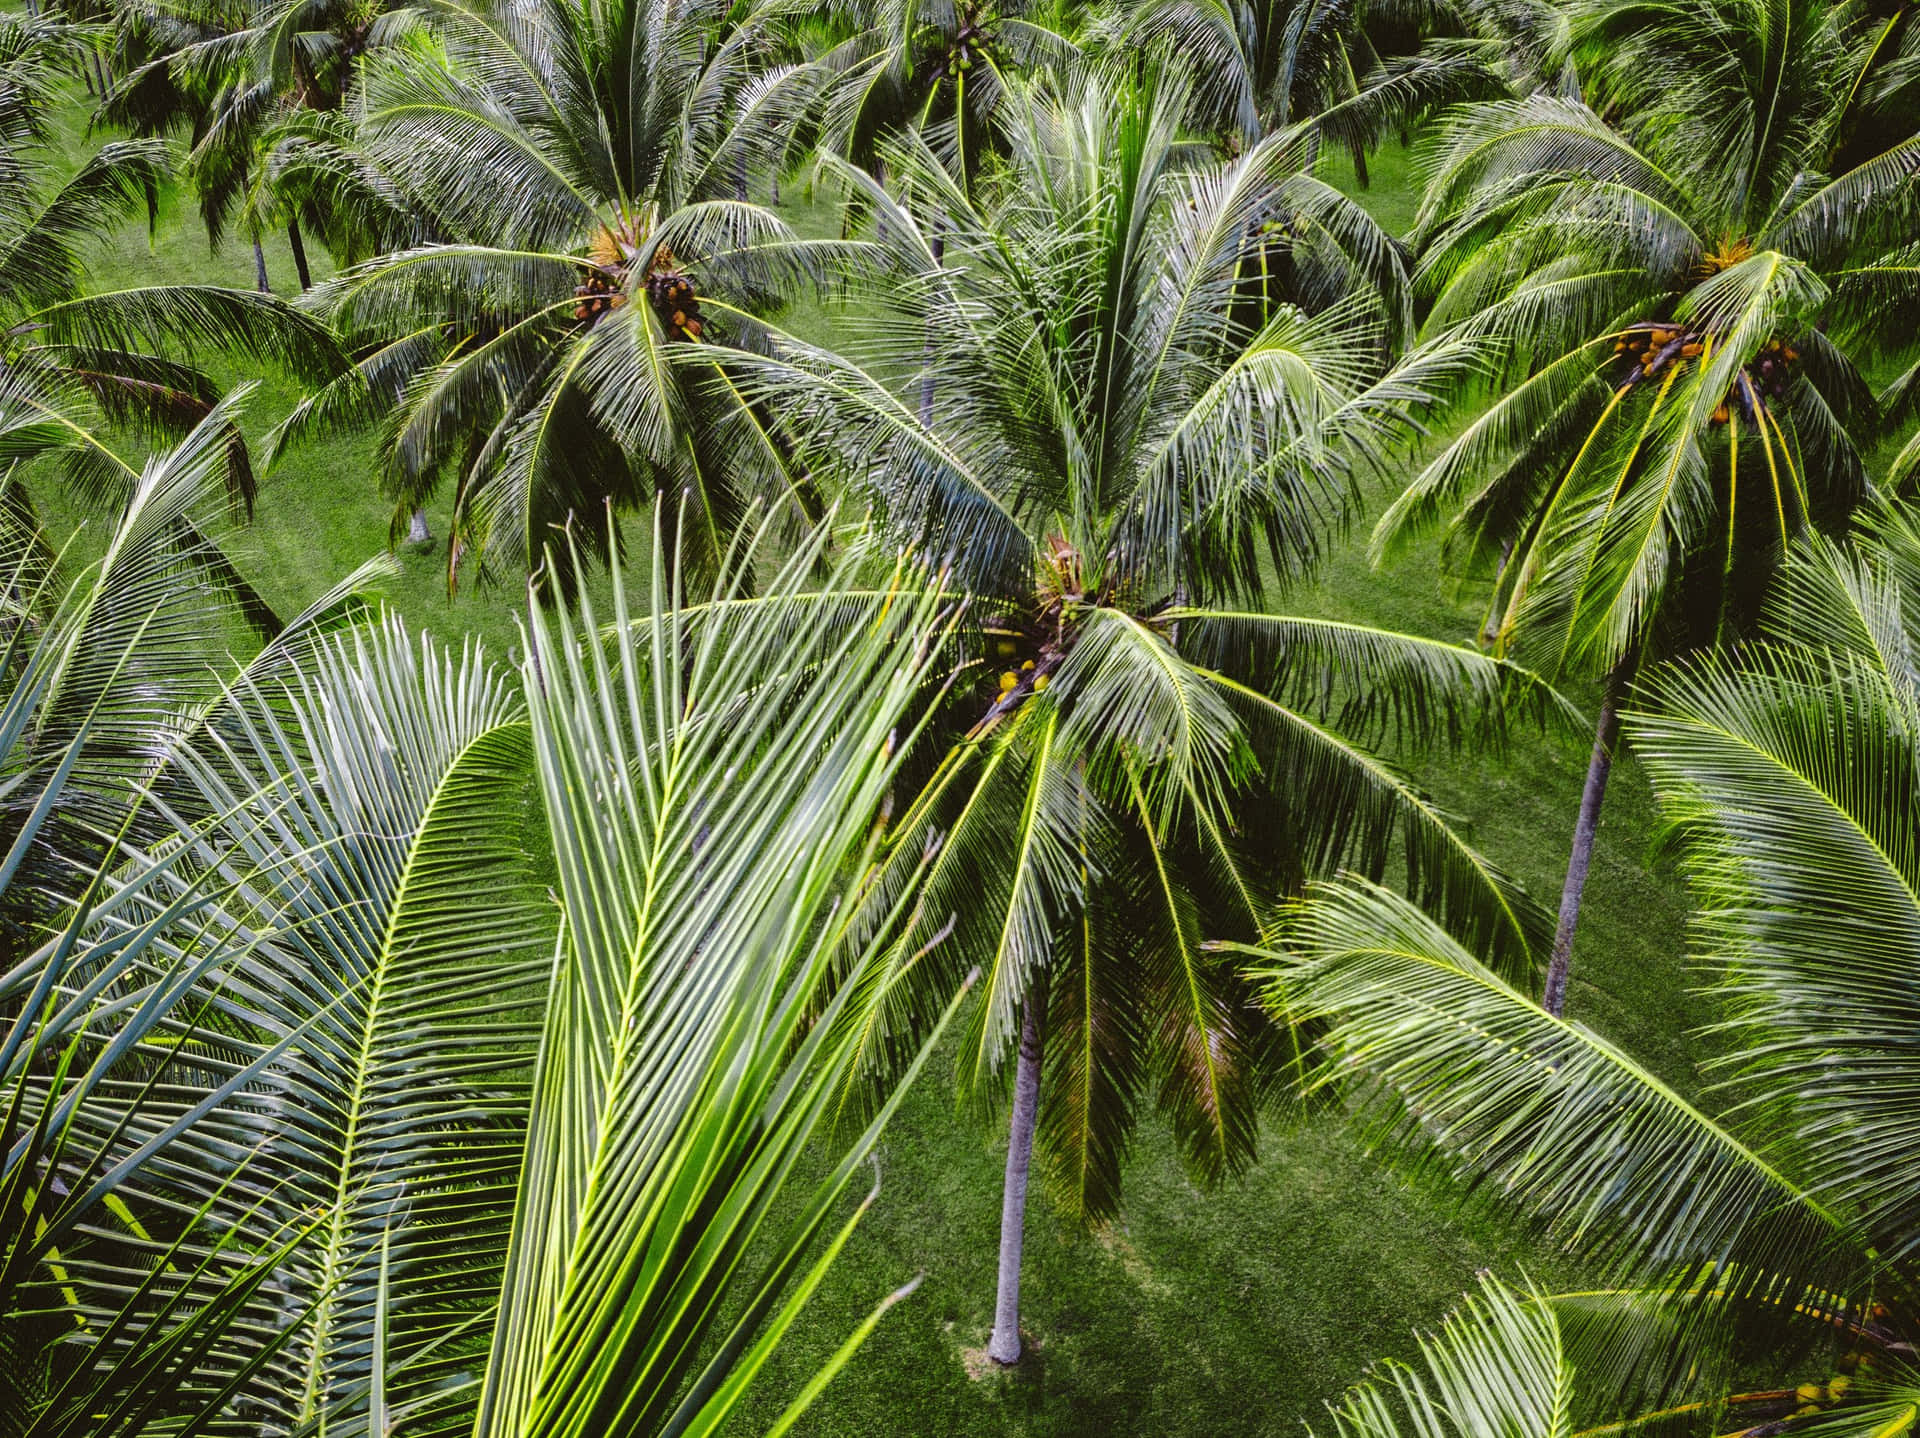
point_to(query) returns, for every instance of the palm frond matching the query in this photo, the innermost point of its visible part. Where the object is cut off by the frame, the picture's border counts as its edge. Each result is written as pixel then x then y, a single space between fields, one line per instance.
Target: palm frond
pixel 704 802
pixel 1458 1065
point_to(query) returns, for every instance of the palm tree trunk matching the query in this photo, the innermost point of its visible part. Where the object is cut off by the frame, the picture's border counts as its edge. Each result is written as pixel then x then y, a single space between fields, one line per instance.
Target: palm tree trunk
pixel 1599 766
pixel 938 245
pixel 1004 1346
pixel 299 255
pixel 417 531
pixel 1360 174
pixel 260 267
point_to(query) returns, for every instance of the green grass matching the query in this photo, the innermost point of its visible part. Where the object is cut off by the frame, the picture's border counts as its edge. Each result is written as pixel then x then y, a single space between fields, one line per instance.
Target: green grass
pixel 1236 1311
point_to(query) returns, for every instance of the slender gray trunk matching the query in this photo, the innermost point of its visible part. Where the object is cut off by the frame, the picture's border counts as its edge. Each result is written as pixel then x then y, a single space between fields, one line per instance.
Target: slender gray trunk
pixel 939 248
pixel 1599 766
pixel 299 255
pixel 776 186
pixel 1004 1346
pixel 260 268
pixel 417 531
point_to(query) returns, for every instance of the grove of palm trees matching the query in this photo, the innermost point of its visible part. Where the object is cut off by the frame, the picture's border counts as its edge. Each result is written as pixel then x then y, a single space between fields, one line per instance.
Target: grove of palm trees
pixel 1138 717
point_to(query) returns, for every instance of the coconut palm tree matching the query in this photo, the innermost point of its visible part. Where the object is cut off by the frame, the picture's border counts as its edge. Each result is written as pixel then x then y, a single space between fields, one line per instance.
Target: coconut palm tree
pixel 1266 65
pixel 241 81
pixel 582 166
pixel 1786 1220
pixel 444 1119
pixel 1155 392
pixel 1357 73
pixel 940 67
pixel 1676 294
pixel 78 362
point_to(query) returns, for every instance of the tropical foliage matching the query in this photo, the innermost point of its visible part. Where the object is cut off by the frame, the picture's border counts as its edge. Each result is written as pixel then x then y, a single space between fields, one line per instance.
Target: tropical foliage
pixel 342 1044
pixel 73 359
pixel 1679 277
pixel 582 178
pixel 1144 758
pixel 1781 1226
pixel 393 1040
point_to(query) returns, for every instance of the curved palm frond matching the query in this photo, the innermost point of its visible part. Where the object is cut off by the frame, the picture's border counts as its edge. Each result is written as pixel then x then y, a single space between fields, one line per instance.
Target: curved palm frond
pixel 1456 1063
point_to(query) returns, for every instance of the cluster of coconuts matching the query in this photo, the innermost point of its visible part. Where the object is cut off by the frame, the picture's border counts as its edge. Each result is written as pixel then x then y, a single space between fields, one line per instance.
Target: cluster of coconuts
pixel 1653 349
pixel 1007 644
pixel 969 42
pixel 675 303
pixel 1762 380
pixel 597 294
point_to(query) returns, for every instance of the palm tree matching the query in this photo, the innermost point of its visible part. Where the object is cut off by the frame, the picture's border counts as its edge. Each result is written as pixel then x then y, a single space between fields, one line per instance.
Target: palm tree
pixel 1789 1220
pixel 78 363
pixel 1155 380
pixel 234 77
pixel 581 166
pixel 447 1119
pixel 1676 296
pixel 1262 65
pixel 939 67
pixel 1357 73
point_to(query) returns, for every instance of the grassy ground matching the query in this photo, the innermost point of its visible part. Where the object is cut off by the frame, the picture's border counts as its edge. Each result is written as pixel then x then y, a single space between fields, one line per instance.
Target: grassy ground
pixel 1231 1312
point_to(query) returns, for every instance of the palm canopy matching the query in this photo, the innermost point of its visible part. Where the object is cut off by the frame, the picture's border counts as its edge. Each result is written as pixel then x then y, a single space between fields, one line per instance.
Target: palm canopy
pixel 510 1165
pixel 934 65
pixel 1787 772
pixel 1148 365
pixel 245 82
pixel 583 170
pixel 77 363
pixel 1261 65
pixel 1676 282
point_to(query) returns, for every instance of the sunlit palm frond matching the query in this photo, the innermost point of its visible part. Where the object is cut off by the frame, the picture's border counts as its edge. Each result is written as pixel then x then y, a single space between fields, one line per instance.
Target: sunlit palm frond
pixel 1497 1366
pixel 714 802
pixel 1789 780
pixel 367 801
pixel 1560 1123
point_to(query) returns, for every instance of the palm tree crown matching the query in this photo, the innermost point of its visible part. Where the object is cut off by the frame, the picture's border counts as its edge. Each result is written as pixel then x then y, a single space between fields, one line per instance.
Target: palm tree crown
pixel 584 172
pixel 1156 385
pixel 1676 295
pixel 1675 298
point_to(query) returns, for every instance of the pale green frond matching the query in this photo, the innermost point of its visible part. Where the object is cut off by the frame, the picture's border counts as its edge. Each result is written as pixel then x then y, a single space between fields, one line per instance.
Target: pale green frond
pixel 709 804
pixel 1461 1068
pixel 1790 781
pixel 1495 1369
